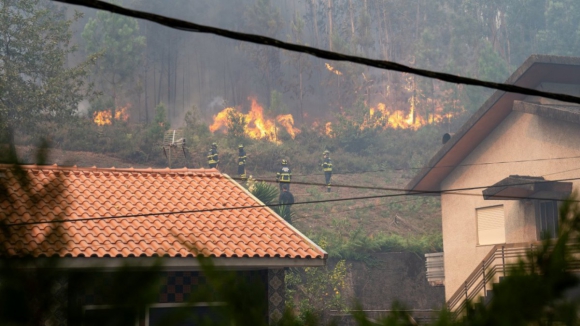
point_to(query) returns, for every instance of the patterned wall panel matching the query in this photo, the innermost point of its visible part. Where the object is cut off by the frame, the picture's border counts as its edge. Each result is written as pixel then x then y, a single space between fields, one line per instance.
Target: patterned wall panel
pixel 276 294
pixel 57 316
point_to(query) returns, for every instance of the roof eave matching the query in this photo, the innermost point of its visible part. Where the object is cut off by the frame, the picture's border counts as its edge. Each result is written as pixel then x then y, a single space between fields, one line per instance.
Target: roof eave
pixel 308 240
pixel 166 263
pixel 441 164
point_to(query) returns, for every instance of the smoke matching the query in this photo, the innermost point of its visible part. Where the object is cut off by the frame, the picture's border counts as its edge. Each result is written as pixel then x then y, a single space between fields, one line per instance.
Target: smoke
pixel 83 108
pixel 217 104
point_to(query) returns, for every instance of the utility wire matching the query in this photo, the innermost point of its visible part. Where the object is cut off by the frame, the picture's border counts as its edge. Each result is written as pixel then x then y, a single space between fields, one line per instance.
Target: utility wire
pixel 324 54
pixel 299 217
pixel 396 189
pixel 217 209
pixel 450 166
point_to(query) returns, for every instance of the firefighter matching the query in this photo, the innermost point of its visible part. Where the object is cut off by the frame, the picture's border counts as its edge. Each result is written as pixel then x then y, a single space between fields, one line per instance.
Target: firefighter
pixel 242 163
pixel 286 200
pixel 284 176
pixel 327 168
pixel 212 157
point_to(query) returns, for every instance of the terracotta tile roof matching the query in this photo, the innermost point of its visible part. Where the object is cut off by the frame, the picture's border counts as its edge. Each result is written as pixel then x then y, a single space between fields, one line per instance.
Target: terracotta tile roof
pixel 57 193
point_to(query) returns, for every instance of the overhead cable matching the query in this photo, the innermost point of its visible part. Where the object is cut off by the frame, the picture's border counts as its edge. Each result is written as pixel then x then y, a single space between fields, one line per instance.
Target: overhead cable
pixel 218 209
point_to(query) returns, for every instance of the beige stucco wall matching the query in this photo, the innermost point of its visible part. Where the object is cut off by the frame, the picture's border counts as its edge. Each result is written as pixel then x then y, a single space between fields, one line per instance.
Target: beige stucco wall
pixel 521 136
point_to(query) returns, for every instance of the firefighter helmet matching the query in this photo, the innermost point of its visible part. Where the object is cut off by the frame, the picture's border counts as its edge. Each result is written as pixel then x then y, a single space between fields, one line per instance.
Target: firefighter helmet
pixel 284 162
pixel 214 145
pixel 241 146
pixel 326 152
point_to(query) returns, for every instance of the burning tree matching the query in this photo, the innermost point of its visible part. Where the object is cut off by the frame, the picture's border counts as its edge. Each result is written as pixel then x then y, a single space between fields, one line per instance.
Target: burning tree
pixel 254 124
pixel 35 83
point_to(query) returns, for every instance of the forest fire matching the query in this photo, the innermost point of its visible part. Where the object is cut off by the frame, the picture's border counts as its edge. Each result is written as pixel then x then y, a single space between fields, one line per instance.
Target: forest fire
pixel 105 117
pixel 255 124
pixel 332 69
pixel 328 129
pixel 381 117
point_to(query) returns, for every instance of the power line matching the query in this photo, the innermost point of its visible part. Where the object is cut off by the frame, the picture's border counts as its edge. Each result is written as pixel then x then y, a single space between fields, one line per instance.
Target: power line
pixel 396 189
pixel 217 209
pixel 324 54
pixel 453 166
pixel 363 207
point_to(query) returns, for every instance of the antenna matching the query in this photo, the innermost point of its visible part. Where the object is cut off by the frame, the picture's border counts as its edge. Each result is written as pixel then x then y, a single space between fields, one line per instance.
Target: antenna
pixel 173 143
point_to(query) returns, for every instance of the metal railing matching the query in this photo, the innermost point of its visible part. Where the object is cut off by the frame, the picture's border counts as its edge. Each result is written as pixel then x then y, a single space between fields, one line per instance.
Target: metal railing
pixel 435 269
pixel 495 265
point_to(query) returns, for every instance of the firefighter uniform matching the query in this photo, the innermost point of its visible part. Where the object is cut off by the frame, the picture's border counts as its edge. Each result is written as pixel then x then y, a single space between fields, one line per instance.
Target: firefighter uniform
pixel 242 163
pixel 327 168
pixel 212 157
pixel 286 200
pixel 284 176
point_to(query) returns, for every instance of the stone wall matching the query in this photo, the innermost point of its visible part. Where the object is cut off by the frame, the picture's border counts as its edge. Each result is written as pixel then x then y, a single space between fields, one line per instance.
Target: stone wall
pixel 392 277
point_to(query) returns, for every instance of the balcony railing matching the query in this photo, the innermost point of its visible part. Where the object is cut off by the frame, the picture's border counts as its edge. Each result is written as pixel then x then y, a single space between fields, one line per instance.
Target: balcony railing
pixel 492 268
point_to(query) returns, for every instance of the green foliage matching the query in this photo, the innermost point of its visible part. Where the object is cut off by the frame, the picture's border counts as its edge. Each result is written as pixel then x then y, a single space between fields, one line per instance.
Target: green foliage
pixel 491 66
pixel 36 83
pixel 236 123
pixel 115 38
pixel 561 33
pixel 343 241
pixel 160 124
pixel 267 193
pixel 314 290
pixel 277 106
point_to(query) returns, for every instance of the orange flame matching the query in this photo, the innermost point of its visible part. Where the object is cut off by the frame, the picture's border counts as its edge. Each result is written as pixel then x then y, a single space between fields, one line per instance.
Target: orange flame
pixel 328 129
pixel 105 117
pixel 381 117
pixel 257 126
pixel 332 69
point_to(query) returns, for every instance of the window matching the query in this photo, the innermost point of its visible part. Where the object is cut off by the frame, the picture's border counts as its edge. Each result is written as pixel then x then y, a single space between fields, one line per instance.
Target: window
pixel 109 315
pixel 490 225
pixel 182 314
pixel 546 218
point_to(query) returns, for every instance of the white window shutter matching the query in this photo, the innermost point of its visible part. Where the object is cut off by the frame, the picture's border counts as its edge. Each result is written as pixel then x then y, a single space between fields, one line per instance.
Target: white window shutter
pixel 490 225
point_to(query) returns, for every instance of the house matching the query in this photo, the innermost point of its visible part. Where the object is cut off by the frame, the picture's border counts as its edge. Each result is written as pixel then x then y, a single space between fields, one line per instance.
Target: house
pixel 86 218
pixel 509 165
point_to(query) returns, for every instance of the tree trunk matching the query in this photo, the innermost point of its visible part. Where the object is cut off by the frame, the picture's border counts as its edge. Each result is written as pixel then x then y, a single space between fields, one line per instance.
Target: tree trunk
pixel 161 73
pixel 175 87
pixel 114 109
pixel 146 96
pixel 155 102
pixel 301 92
pixel 315 20
pixel 351 18
pixel 183 91
pixel 169 104
pixel 330 25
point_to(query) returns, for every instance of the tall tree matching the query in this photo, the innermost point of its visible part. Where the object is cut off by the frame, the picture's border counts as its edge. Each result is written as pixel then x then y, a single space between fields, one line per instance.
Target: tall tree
pixel 302 67
pixel 561 34
pixel 35 82
pixel 116 38
pixel 264 18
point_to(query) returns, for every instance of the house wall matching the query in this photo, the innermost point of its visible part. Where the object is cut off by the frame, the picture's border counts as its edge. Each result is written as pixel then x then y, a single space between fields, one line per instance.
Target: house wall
pixel 96 290
pixel 521 136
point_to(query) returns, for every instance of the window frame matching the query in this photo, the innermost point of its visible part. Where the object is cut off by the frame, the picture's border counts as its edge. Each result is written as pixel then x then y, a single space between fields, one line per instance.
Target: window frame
pixel 477 225
pixel 105 307
pixel 178 305
pixel 538 218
